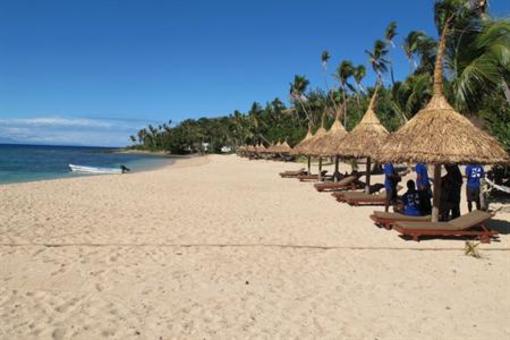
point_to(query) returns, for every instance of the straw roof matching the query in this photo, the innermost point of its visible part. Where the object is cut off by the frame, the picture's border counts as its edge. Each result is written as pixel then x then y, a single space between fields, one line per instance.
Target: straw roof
pixel 271 148
pixel 367 138
pixel 440 135
pixel 298 148
pixel 327 144
pixel 284 148
pixel 260 148
pixel 308 148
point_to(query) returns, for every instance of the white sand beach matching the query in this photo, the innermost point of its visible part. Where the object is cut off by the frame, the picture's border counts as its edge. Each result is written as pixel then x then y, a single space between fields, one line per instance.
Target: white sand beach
pixel 221 247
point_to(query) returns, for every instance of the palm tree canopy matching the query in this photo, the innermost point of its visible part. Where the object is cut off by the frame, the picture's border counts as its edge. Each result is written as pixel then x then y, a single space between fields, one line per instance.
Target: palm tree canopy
pixel 359 73
pixel 325 56
pixel 391 32
pixel 344 71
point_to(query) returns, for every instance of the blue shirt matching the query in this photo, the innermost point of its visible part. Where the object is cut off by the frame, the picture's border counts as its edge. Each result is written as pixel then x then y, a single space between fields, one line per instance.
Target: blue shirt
pixel 473 173
pixel 422 180
pixel 388 179
pixel 411 203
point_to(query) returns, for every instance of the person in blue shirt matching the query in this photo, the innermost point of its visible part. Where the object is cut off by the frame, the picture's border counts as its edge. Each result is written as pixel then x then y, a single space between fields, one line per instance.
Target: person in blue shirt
pixel 391 178
pixel 411 200
pixel 423 184
pixel 474 173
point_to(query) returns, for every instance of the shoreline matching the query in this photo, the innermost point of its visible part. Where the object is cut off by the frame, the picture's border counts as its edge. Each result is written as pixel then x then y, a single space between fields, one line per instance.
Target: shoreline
pixel 172 162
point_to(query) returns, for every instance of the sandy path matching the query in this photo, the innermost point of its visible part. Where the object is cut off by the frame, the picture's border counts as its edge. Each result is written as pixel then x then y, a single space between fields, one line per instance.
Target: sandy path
pixel 223 248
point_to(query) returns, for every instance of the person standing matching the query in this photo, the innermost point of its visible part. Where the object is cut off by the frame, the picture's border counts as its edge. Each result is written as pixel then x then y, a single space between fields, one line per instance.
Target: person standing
pixel 454 185
pixel 474 173
pixel 424 191
pixel 391 178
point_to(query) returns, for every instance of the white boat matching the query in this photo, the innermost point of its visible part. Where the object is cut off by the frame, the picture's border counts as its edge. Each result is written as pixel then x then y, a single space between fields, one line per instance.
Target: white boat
pixel 93 170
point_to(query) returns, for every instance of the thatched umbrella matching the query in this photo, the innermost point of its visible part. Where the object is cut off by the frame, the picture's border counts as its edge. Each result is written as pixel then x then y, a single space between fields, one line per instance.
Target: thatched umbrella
pixel 271 148
pixel 366 139
pixel 327 144
pixel 298 148
pixel 308 148
pixel 285 148
pixel 260 149
pixel 439 135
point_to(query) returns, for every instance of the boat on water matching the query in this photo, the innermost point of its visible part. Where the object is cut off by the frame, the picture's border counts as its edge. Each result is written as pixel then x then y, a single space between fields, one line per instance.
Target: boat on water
pixel 95 170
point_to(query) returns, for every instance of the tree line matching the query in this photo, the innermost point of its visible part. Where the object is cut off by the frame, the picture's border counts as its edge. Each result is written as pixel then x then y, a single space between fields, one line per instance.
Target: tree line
pixel 477 65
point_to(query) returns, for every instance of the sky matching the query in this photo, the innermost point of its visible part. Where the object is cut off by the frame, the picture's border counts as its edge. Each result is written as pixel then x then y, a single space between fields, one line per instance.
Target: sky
pixel 92 72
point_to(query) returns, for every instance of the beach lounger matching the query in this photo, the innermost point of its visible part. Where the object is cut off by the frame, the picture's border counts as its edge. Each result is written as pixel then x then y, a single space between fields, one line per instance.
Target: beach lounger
pixel 388 219
pixel 339 195
pixel 346 183
pixel 304 178
pixel 293 173
pixel 358 199
pixel 469 225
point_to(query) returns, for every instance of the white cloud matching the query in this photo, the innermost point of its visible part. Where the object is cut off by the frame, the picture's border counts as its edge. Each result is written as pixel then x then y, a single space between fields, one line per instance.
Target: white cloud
pixel 69 130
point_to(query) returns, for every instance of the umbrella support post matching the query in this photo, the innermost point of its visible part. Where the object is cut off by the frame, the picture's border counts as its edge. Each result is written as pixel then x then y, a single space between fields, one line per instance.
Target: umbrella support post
pixel 309 165
pixel 436 193
pixel 319 176
pixel 335 175
pixel 367 186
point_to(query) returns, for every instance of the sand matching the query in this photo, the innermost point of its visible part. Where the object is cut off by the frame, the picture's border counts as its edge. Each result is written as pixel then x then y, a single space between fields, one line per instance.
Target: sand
pixel 220 247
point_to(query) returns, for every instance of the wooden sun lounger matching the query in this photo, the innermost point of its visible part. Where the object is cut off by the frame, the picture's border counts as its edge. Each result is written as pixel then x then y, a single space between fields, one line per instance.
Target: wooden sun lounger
pixel 356 199
pixel 375 189
pixel 346 183
pixel 340 195
pixel 469 225
pixel 388 219
pixel 304 178
pixel 292 173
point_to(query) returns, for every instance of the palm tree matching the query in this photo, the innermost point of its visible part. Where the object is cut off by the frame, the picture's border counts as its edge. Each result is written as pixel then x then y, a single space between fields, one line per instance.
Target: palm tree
pixel 377 59
pixel 297 91
pixel 344 71
pixel 411 95
pixel 389 35
pixel 132 138
pixel 359 73
pixel 325 57
pixel 477 54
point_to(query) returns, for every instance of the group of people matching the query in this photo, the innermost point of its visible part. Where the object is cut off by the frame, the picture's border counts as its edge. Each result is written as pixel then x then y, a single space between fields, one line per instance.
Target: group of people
pixel 417 199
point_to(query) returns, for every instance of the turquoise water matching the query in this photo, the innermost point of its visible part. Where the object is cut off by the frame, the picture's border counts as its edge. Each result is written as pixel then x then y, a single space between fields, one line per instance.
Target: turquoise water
pixel 23 163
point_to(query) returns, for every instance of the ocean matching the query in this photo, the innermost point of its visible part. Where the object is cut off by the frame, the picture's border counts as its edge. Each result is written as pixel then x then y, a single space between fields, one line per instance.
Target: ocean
pixel 24 163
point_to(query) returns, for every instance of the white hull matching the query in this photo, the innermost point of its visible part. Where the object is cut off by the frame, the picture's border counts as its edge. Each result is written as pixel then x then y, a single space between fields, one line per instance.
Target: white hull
pixel 93 170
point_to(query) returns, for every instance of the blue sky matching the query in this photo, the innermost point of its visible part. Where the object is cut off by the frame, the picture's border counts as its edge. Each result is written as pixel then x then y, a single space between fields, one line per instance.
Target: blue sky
pixel 92 72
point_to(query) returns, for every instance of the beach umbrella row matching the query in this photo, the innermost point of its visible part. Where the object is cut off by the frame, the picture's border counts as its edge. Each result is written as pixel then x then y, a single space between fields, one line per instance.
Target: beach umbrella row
pixel 436 135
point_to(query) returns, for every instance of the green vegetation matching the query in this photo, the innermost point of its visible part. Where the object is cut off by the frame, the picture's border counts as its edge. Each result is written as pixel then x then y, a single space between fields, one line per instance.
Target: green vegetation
pixel 477 77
